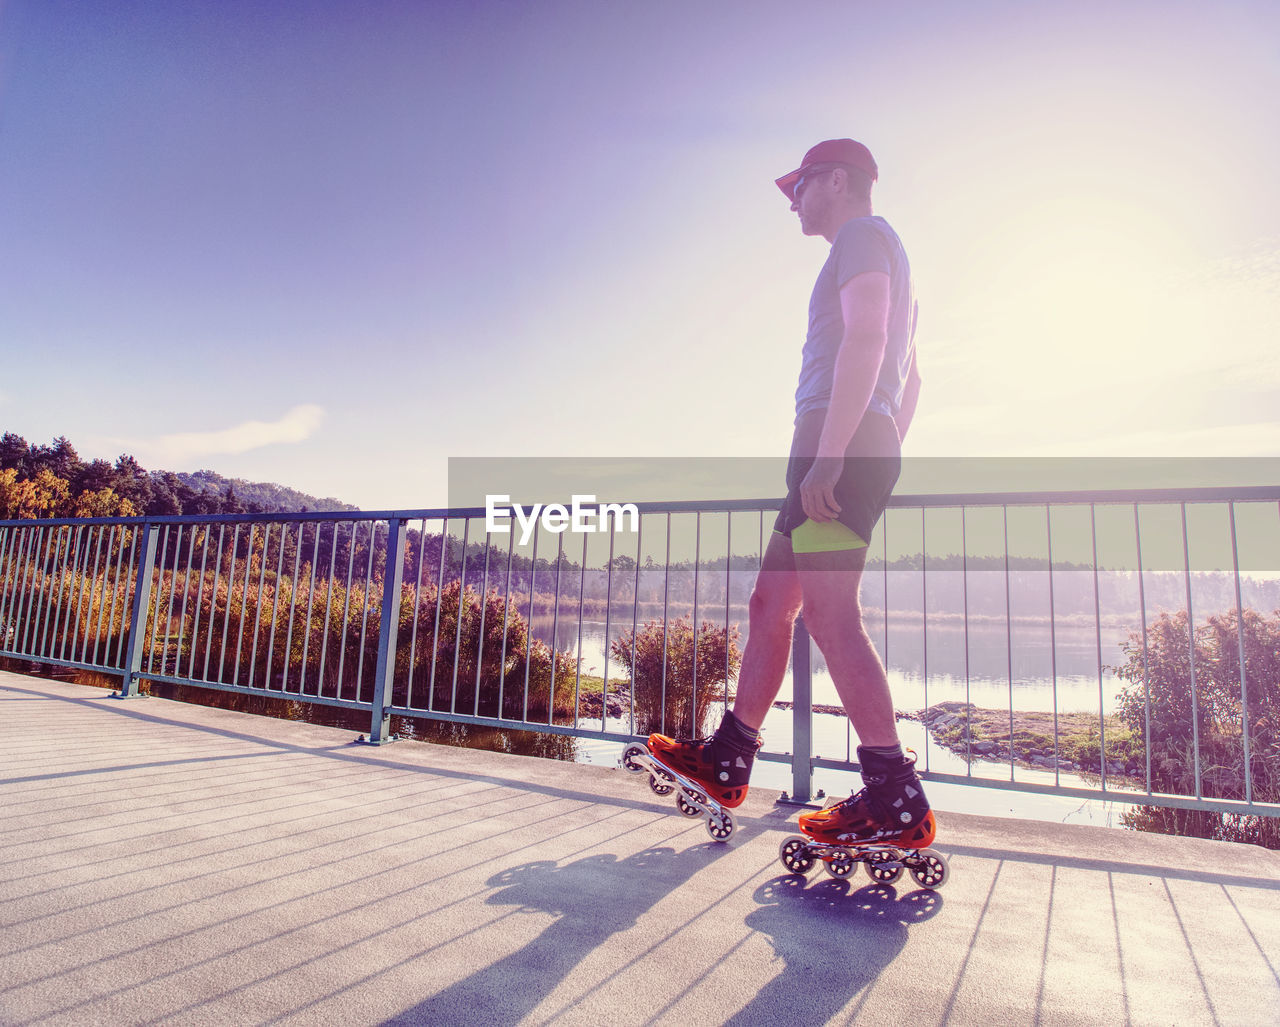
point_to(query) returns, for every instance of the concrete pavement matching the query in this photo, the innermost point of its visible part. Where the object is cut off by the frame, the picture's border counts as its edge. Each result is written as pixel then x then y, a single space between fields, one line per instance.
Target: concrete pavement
pixel 168 863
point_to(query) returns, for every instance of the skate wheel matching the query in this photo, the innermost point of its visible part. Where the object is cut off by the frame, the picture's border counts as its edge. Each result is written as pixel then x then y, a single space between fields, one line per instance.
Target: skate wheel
pixel 876 869
pixel 686 807
pixel 696 796
pixel 659 786
pixel 629 755
pixel 794 855
pixel 720 827
pixel 841 864
pixel 929 869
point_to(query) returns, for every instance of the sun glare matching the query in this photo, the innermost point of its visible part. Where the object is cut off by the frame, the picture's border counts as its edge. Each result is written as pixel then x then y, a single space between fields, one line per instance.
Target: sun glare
pixel 1074 291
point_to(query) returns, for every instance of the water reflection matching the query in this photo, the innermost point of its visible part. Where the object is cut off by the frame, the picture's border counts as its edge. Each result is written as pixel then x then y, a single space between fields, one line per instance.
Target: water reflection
pixel 979 664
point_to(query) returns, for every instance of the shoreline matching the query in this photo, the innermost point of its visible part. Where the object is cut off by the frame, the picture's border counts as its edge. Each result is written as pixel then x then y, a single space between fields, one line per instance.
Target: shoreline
pixel 976 734
pixel 1069 742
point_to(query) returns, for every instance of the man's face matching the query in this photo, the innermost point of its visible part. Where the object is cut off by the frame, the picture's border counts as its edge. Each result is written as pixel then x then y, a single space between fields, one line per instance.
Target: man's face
pixel 813 201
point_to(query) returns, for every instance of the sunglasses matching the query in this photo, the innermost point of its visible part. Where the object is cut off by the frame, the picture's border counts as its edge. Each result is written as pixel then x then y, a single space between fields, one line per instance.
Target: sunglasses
pixel 811 173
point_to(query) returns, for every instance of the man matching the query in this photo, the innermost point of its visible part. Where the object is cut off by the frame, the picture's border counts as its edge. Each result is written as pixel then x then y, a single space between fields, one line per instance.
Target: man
pixel 857 394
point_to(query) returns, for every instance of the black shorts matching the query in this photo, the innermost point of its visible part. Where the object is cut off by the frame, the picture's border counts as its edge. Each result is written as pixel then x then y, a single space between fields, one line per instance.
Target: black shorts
pixel 873 461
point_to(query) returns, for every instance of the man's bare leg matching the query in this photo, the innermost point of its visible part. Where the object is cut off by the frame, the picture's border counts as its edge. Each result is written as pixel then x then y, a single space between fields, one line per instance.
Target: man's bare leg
pixel 833 614
pixel 826 586
pixel 775 601
pixel 722 764
pixel 892 805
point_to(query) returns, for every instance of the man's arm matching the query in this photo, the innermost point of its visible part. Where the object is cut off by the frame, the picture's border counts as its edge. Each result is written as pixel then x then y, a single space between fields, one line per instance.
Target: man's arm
pixel 864 304
pixel 910 396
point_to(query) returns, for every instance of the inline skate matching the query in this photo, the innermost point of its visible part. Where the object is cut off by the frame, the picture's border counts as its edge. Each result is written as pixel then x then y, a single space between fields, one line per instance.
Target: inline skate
pixel 709 776
pixel 887 826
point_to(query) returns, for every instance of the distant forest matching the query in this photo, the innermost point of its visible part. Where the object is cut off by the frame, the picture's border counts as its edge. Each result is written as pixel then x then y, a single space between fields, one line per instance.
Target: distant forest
pixel 53 481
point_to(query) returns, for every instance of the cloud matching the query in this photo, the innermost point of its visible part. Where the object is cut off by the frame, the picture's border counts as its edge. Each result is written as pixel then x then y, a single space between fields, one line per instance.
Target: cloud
pixel 1258 268
pixel 297 425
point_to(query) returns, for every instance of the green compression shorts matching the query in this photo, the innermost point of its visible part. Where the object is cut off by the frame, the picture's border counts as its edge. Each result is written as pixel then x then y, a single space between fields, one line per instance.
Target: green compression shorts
pixel 824 537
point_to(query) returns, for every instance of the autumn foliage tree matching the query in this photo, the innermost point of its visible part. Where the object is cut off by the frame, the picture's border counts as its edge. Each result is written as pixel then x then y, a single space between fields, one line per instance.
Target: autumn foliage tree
pixel 52 481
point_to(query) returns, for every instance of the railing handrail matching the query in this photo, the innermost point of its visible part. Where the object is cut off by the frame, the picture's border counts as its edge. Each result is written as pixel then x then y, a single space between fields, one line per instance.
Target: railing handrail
pixel 927 500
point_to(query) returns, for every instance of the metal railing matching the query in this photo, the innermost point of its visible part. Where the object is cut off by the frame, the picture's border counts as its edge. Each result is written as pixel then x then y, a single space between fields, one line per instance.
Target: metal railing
pixel 397 614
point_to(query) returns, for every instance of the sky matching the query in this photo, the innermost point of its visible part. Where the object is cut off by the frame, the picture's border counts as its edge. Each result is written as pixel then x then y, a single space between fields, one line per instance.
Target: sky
pixel 337 245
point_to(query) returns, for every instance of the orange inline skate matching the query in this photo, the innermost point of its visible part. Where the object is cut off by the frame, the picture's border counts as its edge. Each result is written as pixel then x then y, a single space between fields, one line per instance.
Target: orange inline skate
pixel 708 775
pixel 888 826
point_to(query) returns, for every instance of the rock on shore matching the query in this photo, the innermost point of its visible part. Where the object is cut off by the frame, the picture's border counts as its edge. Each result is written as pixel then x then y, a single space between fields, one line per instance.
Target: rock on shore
pixel 974 733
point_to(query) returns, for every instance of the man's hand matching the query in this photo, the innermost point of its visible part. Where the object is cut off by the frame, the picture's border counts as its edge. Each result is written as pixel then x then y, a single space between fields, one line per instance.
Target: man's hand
pixel 818 490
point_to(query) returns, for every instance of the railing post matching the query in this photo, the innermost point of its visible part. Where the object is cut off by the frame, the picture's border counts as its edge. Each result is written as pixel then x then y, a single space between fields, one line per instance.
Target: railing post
pixel 384 673
pixel 801 716
pixel 137 638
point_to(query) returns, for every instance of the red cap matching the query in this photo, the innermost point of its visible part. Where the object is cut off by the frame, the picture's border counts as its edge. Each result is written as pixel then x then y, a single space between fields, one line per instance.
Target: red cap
pixel 830 151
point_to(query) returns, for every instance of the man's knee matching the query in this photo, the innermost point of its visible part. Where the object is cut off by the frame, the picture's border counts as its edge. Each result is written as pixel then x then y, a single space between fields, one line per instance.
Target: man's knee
pixel 774 601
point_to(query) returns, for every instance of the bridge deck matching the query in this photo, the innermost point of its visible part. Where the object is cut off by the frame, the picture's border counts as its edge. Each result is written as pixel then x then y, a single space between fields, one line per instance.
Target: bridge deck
pixel 161 862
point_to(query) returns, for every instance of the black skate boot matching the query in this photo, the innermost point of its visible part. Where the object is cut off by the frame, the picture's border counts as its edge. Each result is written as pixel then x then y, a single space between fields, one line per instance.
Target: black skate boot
pixel 887 826
pixel 721 764
pixel 891 808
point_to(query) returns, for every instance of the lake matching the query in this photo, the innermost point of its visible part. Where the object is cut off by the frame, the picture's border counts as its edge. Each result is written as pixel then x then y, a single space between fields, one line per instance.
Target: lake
pixel 1025 659
pixel 1034 653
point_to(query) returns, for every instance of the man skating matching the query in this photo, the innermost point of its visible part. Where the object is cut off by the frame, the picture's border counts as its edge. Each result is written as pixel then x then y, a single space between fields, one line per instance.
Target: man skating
pixel 856 397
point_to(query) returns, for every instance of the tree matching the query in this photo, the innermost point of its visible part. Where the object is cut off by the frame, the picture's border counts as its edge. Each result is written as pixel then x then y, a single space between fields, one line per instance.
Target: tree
pixel 94 476
pixel 132 482
pixel 165 501
pixel 102 503
pixel 60 458
pixel 10 493
pixel 66 463
pixel 231 503
pixel 489 662
pixel 201 503
pixel 52 494
pixel 14 453
pixel 622 577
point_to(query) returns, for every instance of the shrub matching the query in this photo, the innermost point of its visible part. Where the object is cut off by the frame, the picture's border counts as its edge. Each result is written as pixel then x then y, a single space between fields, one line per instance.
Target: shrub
pixel 1160 688
pixel 491 672
pixel 664 684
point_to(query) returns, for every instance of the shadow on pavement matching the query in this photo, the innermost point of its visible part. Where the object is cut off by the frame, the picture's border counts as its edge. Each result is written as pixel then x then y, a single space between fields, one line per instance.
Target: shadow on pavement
pixel 833 940
pixel 593 899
